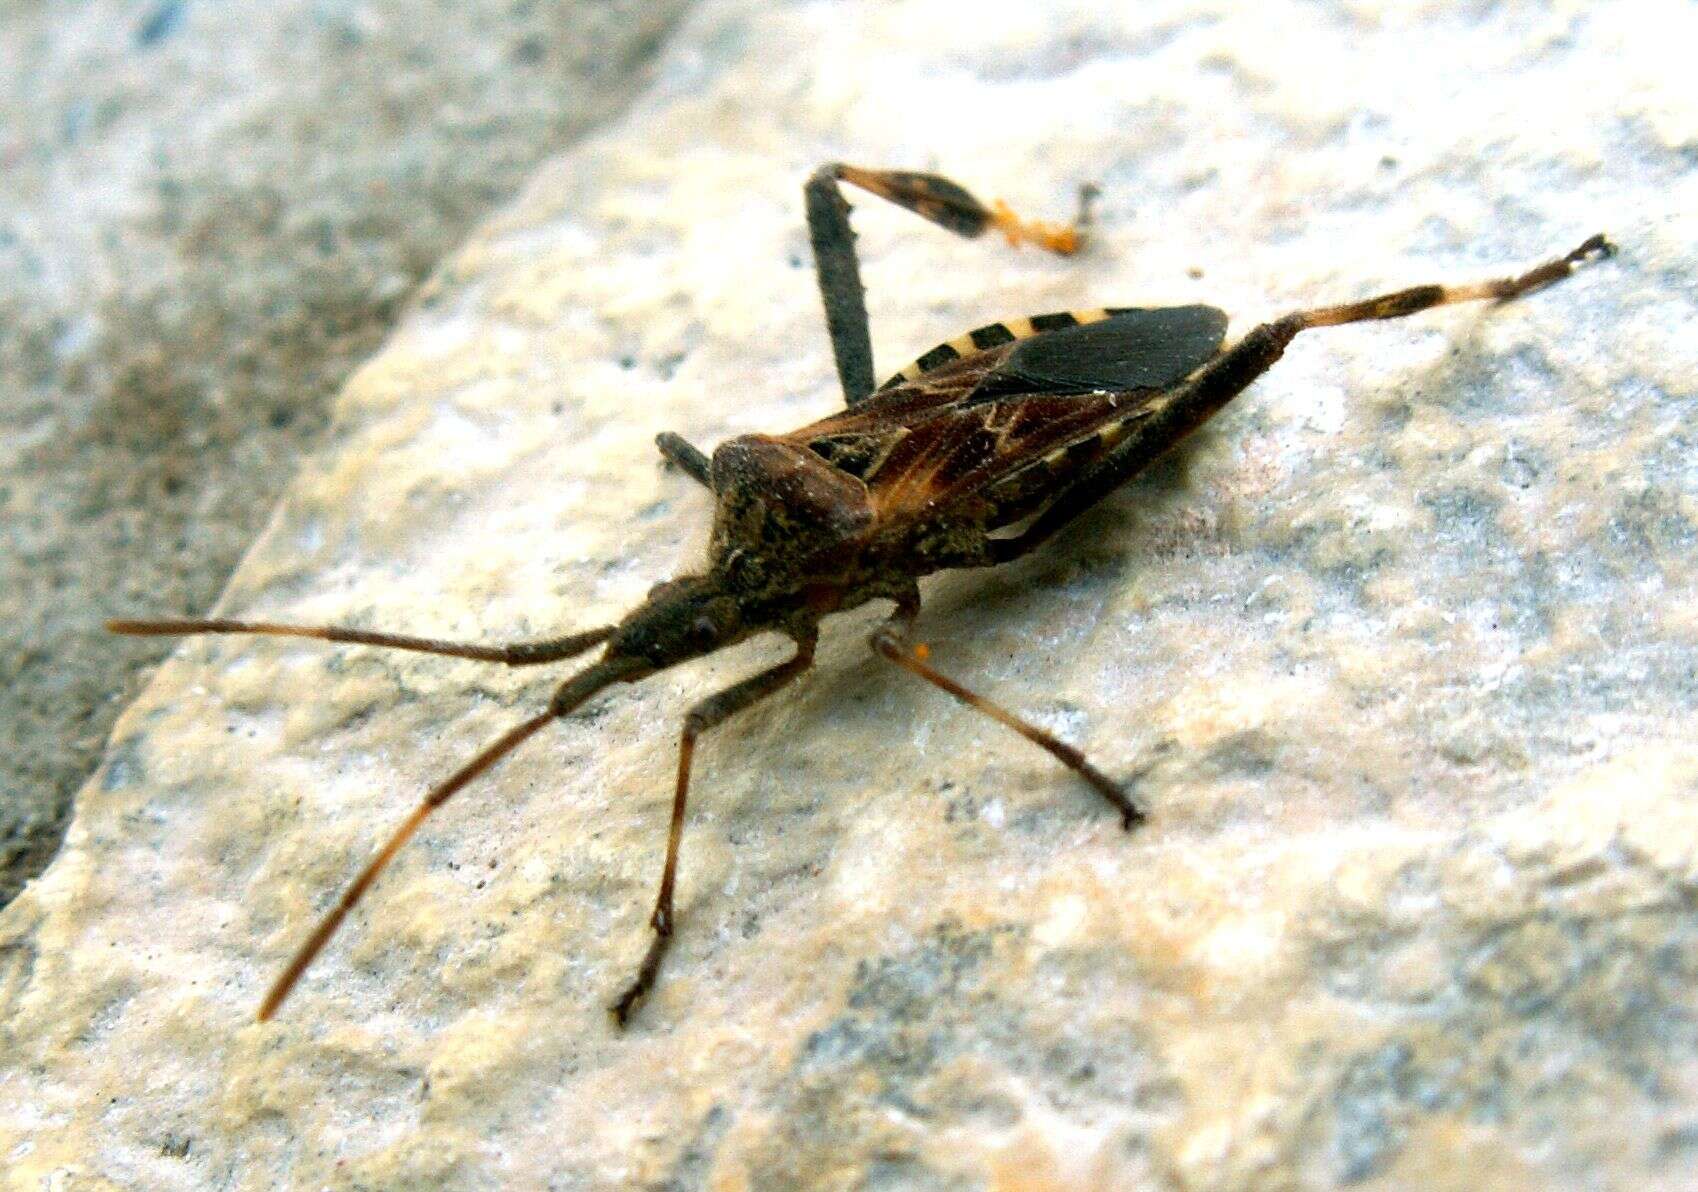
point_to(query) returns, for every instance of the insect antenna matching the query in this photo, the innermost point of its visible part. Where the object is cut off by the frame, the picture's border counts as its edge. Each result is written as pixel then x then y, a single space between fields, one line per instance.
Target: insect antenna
pixel 569 695
pixel 356 890
pixel 532 653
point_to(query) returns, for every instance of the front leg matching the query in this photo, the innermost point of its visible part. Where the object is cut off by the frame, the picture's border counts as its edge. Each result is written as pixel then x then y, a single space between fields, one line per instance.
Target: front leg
pixel 929 196
pixel 677 450
pixel 702 717
pixel 891 640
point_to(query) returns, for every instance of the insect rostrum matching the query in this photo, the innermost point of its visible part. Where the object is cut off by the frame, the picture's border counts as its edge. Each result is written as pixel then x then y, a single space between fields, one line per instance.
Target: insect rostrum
pixel 971 456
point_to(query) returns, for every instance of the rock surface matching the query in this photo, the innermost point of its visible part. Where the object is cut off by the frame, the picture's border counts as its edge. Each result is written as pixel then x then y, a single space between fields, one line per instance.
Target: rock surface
pixel 209 213
pixel 1401 648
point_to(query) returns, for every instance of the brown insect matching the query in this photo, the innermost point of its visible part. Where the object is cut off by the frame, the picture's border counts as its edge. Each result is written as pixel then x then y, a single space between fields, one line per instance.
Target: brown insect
pixel 971 456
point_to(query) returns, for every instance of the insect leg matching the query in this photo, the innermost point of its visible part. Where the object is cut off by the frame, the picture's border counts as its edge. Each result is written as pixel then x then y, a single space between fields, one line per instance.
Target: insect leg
pixel 1418 298
pixel 1186 407
pixel 891 641
pixel 567 697
pixel 512 654
pixel 930 196
pixel 702 717
pixel 679 452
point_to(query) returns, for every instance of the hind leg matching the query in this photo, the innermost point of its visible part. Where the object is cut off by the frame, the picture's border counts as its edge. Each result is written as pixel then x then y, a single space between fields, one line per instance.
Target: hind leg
pixel 929 196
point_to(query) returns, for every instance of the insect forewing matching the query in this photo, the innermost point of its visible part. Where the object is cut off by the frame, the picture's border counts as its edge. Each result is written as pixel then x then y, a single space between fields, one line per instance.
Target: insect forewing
pixel 1131 349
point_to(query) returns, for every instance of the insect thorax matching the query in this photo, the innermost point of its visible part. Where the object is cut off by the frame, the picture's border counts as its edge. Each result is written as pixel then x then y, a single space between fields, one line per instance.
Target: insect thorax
pixel 784 517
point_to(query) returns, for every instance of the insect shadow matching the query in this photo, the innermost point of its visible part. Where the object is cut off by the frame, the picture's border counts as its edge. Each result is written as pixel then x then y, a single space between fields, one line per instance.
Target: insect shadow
pixel 972 456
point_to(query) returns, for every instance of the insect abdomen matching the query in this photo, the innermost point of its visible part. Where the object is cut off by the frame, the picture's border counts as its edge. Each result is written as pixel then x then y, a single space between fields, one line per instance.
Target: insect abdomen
pixel 993 335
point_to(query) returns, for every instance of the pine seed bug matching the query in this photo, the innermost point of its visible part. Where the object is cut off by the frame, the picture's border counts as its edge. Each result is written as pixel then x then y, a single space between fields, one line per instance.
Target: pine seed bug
pixel 971 456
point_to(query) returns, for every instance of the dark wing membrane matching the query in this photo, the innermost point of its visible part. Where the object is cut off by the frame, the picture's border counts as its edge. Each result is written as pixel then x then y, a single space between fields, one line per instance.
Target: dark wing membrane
pixel 1131 349
pixel 1175 324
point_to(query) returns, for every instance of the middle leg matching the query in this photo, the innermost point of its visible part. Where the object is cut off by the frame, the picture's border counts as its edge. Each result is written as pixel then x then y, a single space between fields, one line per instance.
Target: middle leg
pixel 891 640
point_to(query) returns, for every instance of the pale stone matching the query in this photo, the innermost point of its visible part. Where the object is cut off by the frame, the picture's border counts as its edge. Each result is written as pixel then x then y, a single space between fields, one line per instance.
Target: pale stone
pixel 1400 648
pixel 209 215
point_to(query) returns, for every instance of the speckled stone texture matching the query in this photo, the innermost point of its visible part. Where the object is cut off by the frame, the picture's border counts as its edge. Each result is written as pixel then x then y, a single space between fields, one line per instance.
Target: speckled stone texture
pixel 1402 649
pixel 209 214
